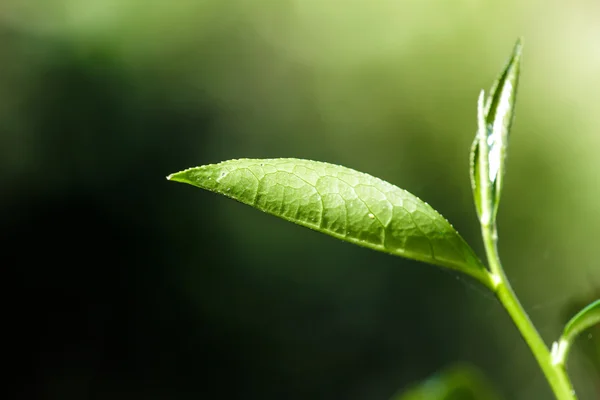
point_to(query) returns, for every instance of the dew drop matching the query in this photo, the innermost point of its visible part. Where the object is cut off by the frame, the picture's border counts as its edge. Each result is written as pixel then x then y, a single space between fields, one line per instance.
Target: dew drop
pixel 371 215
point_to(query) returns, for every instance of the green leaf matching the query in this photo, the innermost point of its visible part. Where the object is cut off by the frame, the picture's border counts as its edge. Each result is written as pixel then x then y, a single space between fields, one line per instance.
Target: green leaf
pixel 460 382
pixel 582 321
pixel 343 203
pixel 590 346
pixel 488 153
pixel 479 161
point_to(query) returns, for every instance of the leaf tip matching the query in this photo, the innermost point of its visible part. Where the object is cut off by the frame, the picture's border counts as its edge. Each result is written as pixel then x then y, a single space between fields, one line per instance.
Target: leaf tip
pixel 481 95
pixel 517 50
pixel 481 101
pixel 519 44
pixel 177 176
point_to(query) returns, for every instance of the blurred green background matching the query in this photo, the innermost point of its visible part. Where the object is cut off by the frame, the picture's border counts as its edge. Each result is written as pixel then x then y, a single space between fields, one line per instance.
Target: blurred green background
pixel 127 286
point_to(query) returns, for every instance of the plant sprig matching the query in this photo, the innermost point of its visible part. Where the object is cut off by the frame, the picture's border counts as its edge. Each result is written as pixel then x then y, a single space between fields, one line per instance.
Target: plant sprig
pixel 364 210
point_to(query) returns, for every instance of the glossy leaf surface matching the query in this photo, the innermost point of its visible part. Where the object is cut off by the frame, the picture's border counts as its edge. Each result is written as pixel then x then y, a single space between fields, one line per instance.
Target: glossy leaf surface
pixel 488 153
pixel 582 321
pixel 343 203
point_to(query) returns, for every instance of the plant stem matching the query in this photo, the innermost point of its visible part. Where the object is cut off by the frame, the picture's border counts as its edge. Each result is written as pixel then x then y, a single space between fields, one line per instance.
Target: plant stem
pixel 555 374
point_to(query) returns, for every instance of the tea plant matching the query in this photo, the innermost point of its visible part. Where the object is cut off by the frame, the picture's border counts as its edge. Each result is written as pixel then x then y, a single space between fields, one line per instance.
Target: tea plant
pixel 364 210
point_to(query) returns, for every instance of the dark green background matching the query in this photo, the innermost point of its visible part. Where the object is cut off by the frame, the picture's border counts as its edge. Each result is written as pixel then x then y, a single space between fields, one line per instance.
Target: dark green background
pixel 125 286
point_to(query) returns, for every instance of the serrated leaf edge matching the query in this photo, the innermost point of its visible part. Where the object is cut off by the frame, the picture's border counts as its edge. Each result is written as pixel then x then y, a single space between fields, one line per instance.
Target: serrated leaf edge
pixel 479 272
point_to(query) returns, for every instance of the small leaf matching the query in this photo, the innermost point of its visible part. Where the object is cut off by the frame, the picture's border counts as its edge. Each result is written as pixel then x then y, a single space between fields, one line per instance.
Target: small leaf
pixel 582 321
pixel 479 161
pixel 492 136
pixel 343 203
pixel 460 382
pixel 590 346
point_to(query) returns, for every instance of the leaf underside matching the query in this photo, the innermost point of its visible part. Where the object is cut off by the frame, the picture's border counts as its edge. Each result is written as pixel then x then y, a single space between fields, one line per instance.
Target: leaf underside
pixel 343 203
pixel 584 319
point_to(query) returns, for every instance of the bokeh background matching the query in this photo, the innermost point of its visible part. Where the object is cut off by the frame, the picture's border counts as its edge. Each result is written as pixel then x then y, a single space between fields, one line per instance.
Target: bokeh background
pixel 125 286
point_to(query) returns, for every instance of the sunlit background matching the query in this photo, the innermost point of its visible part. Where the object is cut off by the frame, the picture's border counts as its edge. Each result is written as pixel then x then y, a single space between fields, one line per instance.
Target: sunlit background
pixel 126 286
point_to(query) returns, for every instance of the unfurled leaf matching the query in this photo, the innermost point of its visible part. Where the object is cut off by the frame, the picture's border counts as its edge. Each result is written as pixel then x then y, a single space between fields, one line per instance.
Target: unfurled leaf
pixel 588 342
pixel 488 153
pixel 461 382
pixel 582 321
pixel 343 203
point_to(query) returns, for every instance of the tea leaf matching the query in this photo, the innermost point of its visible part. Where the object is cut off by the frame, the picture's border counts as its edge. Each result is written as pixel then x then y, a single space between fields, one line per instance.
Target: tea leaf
pixel 338 201
pixel 480 163
pixel 582 321
pixel 491 141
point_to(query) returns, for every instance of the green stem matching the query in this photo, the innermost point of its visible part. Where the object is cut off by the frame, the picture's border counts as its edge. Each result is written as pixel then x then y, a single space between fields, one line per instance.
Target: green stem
pixel 555 374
